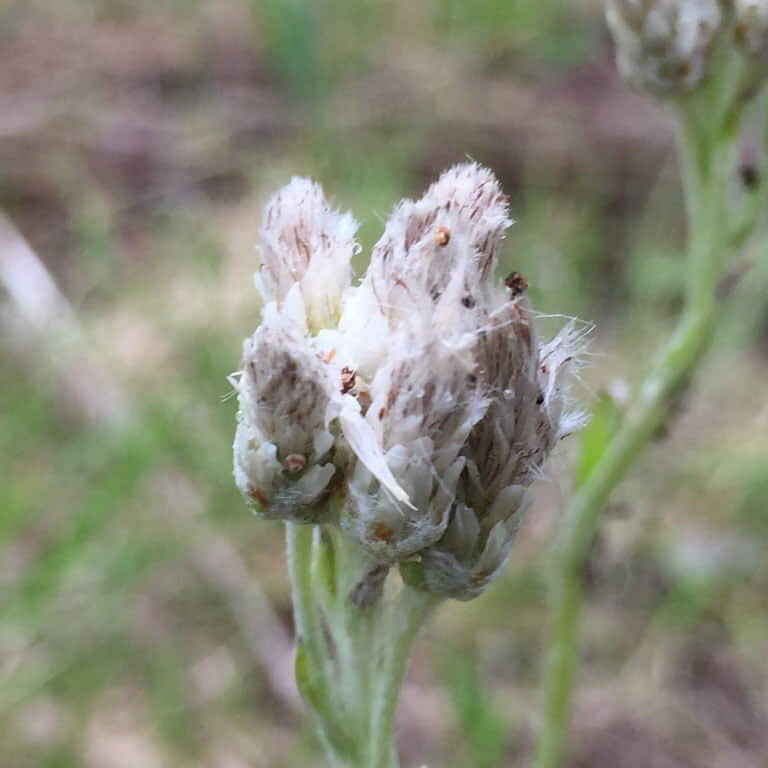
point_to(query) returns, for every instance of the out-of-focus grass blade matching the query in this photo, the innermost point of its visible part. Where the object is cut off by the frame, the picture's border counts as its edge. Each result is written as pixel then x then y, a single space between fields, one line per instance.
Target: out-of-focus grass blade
pixel 483 729
pixel 596 436
pixel 291 28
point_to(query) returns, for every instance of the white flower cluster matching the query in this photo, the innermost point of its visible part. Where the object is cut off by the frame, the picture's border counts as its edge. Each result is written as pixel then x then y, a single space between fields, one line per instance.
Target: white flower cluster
pixel 663 45
pixel 413 409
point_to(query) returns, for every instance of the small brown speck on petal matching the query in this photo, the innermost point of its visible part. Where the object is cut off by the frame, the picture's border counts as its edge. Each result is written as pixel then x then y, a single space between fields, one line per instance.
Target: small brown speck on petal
pixel 295 462
pixel 257 495
pixel 442 236
pixel 347 380
pixel 516 284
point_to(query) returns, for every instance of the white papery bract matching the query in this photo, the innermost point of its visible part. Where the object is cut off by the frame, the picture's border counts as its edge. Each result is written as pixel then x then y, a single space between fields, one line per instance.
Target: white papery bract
pixel 663 45
pixel 427 411
pixel 281 452
pixel 304 242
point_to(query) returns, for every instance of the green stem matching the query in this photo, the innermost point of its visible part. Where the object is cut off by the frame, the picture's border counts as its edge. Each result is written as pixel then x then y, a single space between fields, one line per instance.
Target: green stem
pixel 313 662
pixel 298 539
pixel 353 631
pixel 705 169
pixel 407 617
pixel 581 518
pixel 350 660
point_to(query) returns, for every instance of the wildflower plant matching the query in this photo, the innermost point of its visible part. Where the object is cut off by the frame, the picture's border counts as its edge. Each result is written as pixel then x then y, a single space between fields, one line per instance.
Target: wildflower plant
pixel 396 426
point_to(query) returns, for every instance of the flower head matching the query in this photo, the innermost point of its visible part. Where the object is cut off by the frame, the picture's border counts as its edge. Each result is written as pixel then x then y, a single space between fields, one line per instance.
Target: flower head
pixel 431 404
pixel 663 45
pixel 526 387
pixel 428 287
pixel 281 452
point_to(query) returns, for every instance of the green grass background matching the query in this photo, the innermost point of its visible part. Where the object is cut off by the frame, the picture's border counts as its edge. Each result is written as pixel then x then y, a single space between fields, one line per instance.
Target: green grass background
pixel 138 141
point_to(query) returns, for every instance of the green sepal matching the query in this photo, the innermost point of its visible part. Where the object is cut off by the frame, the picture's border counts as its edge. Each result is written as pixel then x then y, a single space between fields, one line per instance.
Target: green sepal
pixel 307 683
pixel 324 565
pixel 412 573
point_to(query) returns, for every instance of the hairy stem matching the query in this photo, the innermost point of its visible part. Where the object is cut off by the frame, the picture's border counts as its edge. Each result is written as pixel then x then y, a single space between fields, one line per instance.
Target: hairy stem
pixel 313 661
pixel 705 166
pixel 350 658
pixel 409 614
pixel 308 629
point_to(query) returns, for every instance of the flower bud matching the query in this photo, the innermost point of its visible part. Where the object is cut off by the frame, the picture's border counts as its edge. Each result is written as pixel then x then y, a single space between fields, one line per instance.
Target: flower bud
pixel 431 265
pixel 663 46
pixel 458 223
pixel 426 291
pixel 282 463
pixel 465 406
pixel 505 452
pixel 306 248
pixel 422 410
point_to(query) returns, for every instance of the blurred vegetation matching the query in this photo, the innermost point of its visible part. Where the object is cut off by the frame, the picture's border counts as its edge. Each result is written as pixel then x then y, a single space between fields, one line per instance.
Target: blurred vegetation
pixel 137 143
